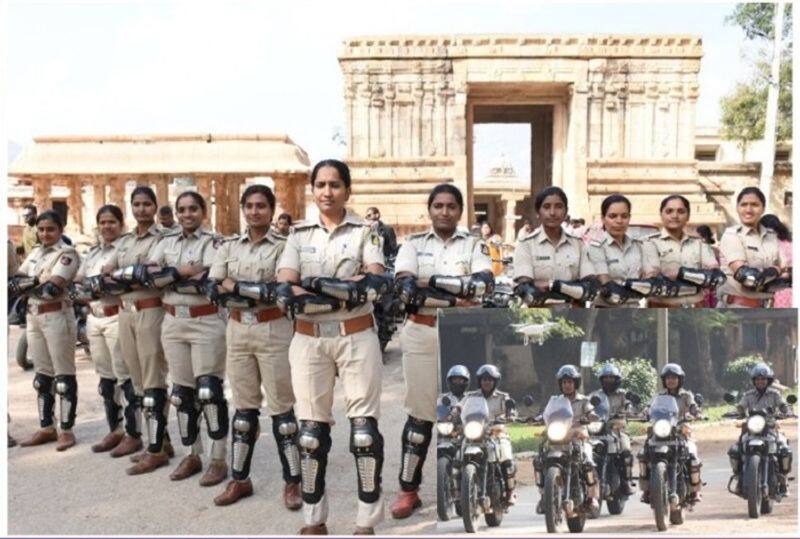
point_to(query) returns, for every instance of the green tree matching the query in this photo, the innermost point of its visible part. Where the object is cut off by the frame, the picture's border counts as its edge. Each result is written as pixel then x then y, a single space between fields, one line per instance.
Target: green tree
pixel 756 20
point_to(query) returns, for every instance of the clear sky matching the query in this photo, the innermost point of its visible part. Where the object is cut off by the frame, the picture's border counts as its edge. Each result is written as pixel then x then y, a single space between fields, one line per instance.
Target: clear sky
pixel 270 67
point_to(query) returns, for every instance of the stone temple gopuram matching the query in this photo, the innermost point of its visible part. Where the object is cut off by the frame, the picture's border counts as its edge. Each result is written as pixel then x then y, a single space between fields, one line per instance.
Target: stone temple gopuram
pixel 608 113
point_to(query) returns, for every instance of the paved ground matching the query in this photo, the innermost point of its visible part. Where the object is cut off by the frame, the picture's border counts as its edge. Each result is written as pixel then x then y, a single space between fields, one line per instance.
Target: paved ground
pixel 720 513
pixel 79 492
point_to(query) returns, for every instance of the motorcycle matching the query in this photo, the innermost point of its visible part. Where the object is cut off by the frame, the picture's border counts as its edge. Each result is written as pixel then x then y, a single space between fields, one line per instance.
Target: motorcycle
pixel 761 479
pixel 667 455
pixel 604 435
pixel 448 460
pixel 503 293
pixel 557 468
pixel 483 483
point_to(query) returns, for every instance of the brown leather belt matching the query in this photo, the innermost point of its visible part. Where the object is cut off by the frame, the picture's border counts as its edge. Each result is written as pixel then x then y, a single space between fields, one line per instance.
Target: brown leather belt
pixel 105 310
pixel 44 308
pixel 655 303
pixel 424 319
pixel 256 317
pixel 334 328
pixel 753 303
pixel 141 304
pixel 194 311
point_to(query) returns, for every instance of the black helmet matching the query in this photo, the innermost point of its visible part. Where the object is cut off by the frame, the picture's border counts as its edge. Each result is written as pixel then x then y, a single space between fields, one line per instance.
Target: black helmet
pixel 488 370
pixel 674 369
pixel 571 372
pixel 610 370
pixel 457 371
pixel 760 370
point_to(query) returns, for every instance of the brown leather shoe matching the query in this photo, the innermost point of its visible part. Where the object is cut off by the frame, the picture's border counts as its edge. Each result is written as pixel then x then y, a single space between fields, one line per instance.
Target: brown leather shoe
pixel 109 442
pixel 41 436
pixel 235 491
pixel 319 529
pixel 148 463
pixel 190 465
pixel 362 530
pixel 405 503
pixel 215 474
pixel 166 448
pixel 291 496
pixel 127 446
pixel 65 440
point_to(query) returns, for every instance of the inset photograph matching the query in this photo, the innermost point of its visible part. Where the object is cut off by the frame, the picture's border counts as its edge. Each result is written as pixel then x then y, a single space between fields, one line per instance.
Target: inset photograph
pixel 617 421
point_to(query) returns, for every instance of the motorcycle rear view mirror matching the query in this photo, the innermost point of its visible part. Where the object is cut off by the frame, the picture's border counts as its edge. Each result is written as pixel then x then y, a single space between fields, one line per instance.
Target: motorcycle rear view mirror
pixel 511 403
pixel 446 401
pixel 633 397
pixel 699 399
pixel 595 400
pixel 528 400
pixel 791 399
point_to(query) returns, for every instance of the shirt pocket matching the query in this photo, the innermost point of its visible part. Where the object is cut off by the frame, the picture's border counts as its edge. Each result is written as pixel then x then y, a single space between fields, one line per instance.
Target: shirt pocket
pixel 543 266
pixel 266 267
pixel 348 263
pixel 172 257
pixel 567 265
pixel 462 265
pixel 426 265
pixel 232 267
pixel 310 263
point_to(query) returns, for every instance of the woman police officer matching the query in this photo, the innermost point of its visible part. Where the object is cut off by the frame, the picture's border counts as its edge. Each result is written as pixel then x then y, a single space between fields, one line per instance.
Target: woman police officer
pixel 549 262
pixel 193 337
pixel 102 330
pixel 334 335
pixel 750 255
pixel 442 267
pixel 50 328
pixel 258 337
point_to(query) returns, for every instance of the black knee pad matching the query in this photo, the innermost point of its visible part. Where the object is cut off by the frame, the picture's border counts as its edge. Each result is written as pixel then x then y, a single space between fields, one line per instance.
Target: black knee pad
pixel 188 412
pixel 366 444
pixel 416 439
pixel 153 404
pixel 285 428
pixel 211 396
pixel 133 404
pixel 107 388
pixel 245 433
pixel 785 456
pixel 45 400
pixel 735 458
pixel 67 390
pixel 315 443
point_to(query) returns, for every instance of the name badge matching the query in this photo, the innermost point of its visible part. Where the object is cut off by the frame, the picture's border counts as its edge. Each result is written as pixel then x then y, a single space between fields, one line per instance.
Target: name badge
pixel 542 258
pixel 308 249
pixel 422 253
pixel 750 247
pixel 613 260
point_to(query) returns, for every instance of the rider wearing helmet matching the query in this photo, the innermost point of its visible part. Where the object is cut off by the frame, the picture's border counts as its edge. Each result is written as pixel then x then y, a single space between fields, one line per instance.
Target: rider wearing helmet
pixel 457 383
pixel 610 380
pixel 501 407
pixel 762 397
pixel 672 378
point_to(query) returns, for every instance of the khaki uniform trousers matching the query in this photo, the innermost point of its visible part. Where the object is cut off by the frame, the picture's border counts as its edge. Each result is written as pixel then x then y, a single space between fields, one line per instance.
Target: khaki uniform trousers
pixel 420 345
pixel 140 342
pixel 315 363
pixel 258 356
pixel 103 335
pixel 51 341
pixel 194 347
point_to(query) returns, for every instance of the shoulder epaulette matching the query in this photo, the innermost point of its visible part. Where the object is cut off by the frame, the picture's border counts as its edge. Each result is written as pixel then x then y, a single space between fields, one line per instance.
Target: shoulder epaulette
pixel 303 224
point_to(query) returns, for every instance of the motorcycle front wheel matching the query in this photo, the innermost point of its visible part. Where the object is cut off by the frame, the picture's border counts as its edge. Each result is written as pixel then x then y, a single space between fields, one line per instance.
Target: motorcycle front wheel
pixel 659 494
pixel 444 500
pixel 551 499
pixel 469 497
pixel 752 486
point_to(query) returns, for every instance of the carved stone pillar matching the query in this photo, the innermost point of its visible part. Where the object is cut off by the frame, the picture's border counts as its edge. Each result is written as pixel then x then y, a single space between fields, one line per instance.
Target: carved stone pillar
pixel 99 191
pixel 75 205
pixel 204 188
pixel 162 189
pixel 233 187
pixel 221 209
pixel 117 192
pixel 41 193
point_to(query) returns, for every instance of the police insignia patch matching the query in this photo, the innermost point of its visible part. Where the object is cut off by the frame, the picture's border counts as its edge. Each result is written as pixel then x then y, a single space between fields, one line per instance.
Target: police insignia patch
pixel 376 240
pixel 484 249
pixel 65 260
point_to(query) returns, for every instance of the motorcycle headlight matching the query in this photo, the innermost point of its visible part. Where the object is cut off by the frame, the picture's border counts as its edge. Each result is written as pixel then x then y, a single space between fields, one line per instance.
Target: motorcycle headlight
pixel 445 428
pixel 662 428
pixel 473 430
pixel 557 431
pixel 595 427
pixel 756 424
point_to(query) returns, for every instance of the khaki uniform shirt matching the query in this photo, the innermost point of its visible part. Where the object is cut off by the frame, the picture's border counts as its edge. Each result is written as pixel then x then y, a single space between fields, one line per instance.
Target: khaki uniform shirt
pixel 180 249
pixel 757 248
pixel 753 400
pixel 29 239
pixel 312 251
pixel 538 258
pixel 241 260
pixel 496 402
pixel 426 254
pixel 93 263
pixel 581 407
pixel 134 249
pixel 663 253
pixel 607 257
pixel 58 260
pixel 617 402
pixel 685 400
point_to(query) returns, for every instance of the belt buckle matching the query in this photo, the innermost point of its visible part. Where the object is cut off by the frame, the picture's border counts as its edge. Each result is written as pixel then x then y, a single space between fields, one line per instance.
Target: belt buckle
pixel 33 308
pixel 129 305
pixel 249 317
pixel 182 311
pixel 329 329
pixel 98 311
